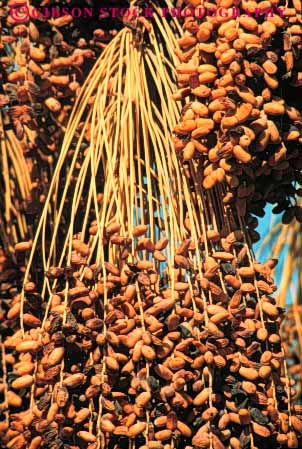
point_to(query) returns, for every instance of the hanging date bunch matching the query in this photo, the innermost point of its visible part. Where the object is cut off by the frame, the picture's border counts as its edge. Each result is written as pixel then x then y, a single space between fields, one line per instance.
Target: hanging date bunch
pixel 144 320
pixel 240 68
pixel 43 61
pixel 31 126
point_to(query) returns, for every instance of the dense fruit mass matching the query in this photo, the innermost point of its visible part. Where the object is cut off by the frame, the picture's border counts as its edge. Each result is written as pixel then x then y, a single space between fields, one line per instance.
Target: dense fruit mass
pixel 144 320
pixel 234 69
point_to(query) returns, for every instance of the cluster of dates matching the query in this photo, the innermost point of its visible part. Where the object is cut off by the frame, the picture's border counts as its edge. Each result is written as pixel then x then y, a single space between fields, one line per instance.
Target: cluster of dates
pixel 148 352
pixel 240 74
pixel 43 62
